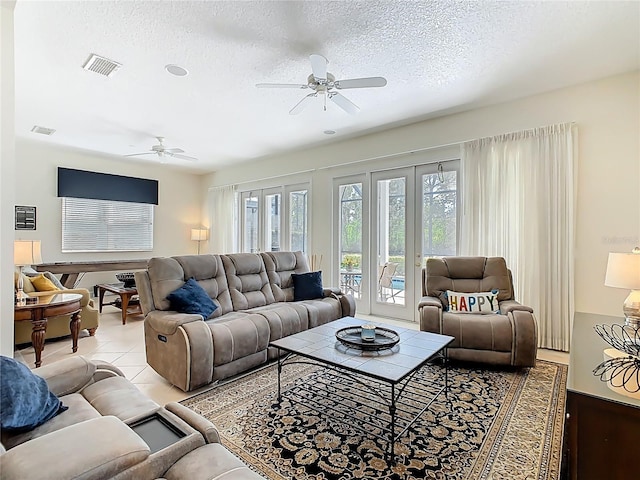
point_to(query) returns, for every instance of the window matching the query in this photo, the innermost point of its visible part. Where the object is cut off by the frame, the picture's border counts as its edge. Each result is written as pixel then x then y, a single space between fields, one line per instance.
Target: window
pixel 351 238
pixel 439 213
pixel 351 223
pixel 274 219
pixel 106 226
pixel 273 222
pixel 250 215
pixel 298 220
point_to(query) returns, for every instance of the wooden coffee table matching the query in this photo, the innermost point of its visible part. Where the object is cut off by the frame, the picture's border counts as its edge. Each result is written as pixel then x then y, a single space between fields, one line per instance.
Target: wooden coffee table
pixel 125 294
pixel 49 306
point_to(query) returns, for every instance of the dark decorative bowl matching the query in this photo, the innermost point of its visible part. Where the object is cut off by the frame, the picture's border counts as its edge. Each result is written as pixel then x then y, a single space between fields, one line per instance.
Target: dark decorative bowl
pixel 127 279
pixel 352 337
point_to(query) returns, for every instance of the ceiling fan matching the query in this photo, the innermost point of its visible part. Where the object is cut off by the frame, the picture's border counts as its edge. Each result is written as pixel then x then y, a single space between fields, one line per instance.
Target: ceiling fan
pixel 324 83
pixel 162 152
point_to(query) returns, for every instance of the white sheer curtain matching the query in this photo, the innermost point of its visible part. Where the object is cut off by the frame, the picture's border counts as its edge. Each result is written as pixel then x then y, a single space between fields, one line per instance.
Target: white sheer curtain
pixel 518 196
pixel 222 219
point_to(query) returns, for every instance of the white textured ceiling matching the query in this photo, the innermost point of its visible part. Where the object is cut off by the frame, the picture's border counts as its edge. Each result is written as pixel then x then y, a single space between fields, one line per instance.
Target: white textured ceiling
pixel 437 56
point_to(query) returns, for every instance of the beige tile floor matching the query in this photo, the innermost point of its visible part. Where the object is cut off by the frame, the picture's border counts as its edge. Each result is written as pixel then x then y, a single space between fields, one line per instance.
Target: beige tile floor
pixel 123 345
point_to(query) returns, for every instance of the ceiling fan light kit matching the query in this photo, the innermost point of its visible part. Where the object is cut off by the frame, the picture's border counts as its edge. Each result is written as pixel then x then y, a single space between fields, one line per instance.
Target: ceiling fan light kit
pixel 325 83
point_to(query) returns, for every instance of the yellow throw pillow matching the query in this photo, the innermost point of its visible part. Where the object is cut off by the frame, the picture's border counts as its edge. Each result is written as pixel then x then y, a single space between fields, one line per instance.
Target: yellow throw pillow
pixel 43 284
pixel 27 286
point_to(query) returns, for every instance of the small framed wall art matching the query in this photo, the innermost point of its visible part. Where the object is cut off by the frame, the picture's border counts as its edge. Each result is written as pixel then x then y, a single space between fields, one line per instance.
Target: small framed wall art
pixel 25 217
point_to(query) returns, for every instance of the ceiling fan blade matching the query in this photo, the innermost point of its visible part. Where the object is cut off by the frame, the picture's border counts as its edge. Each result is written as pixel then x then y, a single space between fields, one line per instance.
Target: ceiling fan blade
pixel 361 82
pixel 318 66
pixel 143 153
pixel 301 104
pixel 182 157
pixel 344 103
pixel 282 85
pixel 173 150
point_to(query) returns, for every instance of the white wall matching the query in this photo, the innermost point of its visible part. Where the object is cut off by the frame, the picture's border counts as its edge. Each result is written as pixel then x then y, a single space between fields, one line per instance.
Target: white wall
pixel 607 113
pixel 7 167
pixel 178 209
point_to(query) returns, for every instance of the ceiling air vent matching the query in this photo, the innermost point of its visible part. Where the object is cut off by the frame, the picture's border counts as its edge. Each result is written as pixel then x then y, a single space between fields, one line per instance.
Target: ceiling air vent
pixel 42 130
pixel 101 65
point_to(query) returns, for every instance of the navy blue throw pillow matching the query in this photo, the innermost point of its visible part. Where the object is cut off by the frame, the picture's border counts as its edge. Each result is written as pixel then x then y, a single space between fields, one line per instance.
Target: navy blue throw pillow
pixel 191 298
pixel 307 286
pixel 25 399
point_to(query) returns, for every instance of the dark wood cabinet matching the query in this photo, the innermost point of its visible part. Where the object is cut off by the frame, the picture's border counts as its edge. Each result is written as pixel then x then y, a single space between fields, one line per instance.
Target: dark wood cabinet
pixel 602 427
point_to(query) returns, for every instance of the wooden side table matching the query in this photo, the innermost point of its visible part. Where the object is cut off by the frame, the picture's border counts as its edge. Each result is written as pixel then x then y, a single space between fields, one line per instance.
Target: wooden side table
pixel 125 295
pixel 602 427
pixel 49 306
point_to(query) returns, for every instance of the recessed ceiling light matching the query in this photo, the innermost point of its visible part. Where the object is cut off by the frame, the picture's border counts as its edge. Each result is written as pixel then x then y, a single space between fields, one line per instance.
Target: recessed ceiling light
pixel 329 132
pixel 176 70
pixel 42 130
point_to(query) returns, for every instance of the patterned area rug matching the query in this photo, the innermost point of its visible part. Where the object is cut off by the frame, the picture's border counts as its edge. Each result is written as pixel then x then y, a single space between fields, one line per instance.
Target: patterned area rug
pixel 494 424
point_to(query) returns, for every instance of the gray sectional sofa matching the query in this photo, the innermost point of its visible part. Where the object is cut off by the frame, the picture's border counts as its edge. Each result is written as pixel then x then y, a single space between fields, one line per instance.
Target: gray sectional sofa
pixel 254 296
pixel 94 438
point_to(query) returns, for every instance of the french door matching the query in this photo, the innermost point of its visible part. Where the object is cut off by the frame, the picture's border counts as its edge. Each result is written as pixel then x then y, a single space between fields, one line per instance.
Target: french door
pixel 392 226
pixel 389 222
pixel 274 219
pixel 351 241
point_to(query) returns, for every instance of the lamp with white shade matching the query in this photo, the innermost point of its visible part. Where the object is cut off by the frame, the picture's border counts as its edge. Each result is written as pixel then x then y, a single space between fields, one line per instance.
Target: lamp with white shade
pixel 623 271
pixel 199 234
pixel 25 252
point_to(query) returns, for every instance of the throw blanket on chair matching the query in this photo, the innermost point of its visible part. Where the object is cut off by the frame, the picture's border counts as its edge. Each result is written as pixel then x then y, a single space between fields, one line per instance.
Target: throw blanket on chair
pixel 25 399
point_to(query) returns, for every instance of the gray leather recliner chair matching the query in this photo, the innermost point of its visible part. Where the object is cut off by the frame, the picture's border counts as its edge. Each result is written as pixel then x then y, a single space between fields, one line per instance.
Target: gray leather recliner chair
pixel 509 337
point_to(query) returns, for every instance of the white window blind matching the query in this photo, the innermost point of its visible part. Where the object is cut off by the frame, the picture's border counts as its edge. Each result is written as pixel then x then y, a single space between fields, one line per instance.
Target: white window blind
pixel 106 226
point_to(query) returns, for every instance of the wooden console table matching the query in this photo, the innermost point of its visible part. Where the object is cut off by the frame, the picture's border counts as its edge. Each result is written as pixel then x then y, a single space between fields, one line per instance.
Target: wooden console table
pixel 71 270
pixel 125 295
pixel 50 306
pixel 602 428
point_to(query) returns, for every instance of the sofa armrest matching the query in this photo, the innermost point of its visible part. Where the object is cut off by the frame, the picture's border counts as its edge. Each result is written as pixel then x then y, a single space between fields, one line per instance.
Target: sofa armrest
pixel 430 302
pixel 198 422
pixel 330 291
pixel 68 375
pixel 102 448
pixel 525 333
pixel 105 370
pixel 167 322
pixel 509 306
pixel 143 285
pixel 430 309
pixel 72 374
pixel 86 298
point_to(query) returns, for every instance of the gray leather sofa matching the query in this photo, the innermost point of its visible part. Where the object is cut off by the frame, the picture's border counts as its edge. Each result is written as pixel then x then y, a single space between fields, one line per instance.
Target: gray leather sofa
pixel 509 337
pixel 254 296
pixel 94 439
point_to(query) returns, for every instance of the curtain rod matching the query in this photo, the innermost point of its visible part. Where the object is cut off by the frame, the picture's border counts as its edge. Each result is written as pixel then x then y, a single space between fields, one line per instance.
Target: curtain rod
pixel 391 155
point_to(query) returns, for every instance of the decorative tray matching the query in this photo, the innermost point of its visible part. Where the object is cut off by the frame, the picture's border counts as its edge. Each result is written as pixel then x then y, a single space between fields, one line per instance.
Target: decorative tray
pixel 352 337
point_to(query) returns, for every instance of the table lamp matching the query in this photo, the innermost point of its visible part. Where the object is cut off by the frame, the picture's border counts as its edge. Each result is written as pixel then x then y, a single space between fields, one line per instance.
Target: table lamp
pixel 623 271
pixel 199 234
pixel 25 252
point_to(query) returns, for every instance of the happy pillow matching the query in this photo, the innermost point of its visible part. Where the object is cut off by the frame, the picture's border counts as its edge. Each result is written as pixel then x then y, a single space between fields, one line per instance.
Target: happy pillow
pixel 482 302
pixel 191 298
